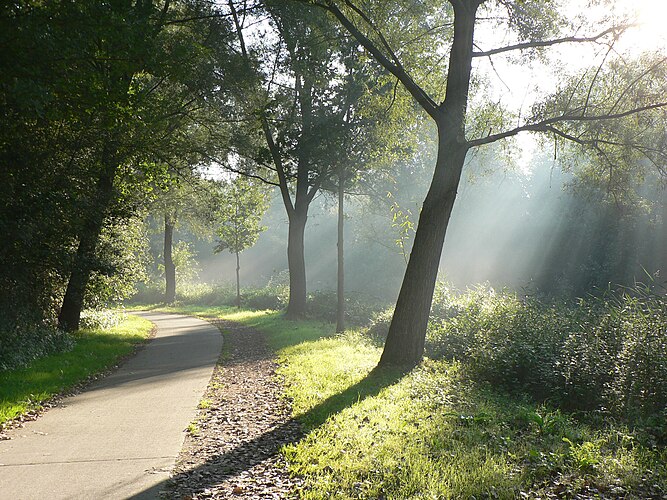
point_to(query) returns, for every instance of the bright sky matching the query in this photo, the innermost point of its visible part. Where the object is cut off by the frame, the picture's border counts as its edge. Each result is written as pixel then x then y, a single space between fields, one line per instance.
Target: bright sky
pixel 651 15
pixel 517 85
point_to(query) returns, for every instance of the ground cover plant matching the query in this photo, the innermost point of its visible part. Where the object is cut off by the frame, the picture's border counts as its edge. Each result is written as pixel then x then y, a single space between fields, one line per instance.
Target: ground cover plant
pixel 93 350
pixel 502 407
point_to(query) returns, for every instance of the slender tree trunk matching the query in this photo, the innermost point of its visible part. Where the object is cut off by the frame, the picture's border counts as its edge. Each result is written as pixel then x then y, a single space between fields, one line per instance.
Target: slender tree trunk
pixel 238 281
pixel 70 311
pixel 407 332
pixel 169 266
pixel 297 264
pixel 340 309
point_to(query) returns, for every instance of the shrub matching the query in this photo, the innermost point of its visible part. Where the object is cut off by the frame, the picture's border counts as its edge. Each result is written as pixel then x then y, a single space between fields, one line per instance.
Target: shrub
pixel 379 325
pixel 607 353
pixel 101 318
pixel 206 294
pixel 359 309
pixel 20 344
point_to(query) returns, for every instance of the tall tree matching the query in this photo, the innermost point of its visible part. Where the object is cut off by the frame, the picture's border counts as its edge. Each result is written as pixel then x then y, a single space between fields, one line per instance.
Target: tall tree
pixel 570 116
pixel 300 109
pixel 146 99
pixel 190 201
pixel 97 101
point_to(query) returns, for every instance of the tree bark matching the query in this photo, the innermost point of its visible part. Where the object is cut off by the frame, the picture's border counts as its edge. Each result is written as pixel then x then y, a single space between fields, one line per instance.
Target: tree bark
pixel 407 332
pixel 297 264
pixel 70 311
pixel 340 309
pixel 169 266
pixel 238 281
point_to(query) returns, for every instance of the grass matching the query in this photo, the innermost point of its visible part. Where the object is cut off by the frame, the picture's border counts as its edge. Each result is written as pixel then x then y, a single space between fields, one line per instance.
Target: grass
pixel 432 432
pixel 25 389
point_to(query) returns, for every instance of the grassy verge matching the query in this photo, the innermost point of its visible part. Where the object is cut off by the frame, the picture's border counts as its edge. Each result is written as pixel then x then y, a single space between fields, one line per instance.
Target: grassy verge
pixel 434 433
pixel 23 390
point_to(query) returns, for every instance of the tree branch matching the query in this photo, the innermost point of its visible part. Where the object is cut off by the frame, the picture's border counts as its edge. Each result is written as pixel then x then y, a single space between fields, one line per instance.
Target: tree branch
pixel 543 126
pixel 399 72
pixel 548 43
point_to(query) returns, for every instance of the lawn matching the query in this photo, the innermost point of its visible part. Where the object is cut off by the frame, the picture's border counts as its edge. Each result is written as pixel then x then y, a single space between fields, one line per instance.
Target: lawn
pixel 95 350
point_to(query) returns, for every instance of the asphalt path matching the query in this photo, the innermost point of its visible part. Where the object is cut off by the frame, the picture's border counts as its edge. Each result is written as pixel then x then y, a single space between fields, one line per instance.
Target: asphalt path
pixel 120 437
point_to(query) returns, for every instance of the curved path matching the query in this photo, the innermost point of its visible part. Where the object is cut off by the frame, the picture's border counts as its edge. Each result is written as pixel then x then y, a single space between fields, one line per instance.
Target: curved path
pixel 121 436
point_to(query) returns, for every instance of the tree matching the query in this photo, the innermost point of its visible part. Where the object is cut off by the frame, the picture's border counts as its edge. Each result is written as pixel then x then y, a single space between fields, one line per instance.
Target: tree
pixel 99 103
pixel 299 106
pixel 190 201
pixel 570 116
pixel 368 142
pixel 242 204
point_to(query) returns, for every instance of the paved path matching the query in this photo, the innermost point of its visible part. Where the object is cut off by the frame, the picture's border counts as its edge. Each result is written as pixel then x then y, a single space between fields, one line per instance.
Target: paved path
pixel 120 437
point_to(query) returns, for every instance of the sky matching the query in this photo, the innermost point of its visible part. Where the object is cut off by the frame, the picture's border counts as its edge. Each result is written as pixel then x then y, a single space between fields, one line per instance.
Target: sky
pixel 517 86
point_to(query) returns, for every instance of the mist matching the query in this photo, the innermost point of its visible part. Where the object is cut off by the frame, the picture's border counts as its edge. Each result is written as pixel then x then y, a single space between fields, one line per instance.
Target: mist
pixel 522 229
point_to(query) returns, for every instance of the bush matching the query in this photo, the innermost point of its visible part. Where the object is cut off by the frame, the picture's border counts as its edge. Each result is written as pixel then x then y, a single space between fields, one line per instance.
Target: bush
pixel 607 353
pixel 359 309
pixel 206 294
pixel 103 319
pixel 20 344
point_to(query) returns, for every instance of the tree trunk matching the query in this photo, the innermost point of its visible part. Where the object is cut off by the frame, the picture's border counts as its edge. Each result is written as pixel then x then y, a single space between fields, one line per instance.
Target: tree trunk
pixel 340 309
pixel 297 264
pixel 169 266
pixel 407 332
pixel 238 281
pixel 70 311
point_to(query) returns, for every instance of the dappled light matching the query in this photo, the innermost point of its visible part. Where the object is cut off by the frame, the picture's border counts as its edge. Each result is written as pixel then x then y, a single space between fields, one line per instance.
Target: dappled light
pixel 333 249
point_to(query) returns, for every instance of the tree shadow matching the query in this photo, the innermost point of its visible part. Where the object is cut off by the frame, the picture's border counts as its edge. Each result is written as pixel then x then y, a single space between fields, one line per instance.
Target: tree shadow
pixel 250 453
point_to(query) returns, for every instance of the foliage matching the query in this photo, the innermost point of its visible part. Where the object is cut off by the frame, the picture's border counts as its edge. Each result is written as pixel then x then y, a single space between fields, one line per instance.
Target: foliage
pixel 435 433
pixel 185 260
pixel 607 353
pixel 98 101
pixel 23 342
pixel 241 206
pixel 26 388
pixel 106 319
pixel 120 263
pixel 274 296
pixel 359 308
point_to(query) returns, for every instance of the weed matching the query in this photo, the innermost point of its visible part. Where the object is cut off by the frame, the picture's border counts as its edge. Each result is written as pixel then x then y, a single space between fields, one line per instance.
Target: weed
pixel 204 404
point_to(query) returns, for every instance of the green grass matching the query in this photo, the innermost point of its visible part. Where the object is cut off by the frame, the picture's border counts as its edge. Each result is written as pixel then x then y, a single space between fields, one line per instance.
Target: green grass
pixel 432 432
pixel 24 389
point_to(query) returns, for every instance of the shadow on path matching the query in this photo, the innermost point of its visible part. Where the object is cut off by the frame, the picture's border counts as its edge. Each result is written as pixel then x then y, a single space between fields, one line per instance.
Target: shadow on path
pixel 250 453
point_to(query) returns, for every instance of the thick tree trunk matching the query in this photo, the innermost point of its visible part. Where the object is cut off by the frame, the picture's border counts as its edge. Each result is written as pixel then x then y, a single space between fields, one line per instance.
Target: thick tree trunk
pixel 70 311
pixel 297 264
pixel 238 281
pixel 169 266
pixel 340 309
pixel 407 332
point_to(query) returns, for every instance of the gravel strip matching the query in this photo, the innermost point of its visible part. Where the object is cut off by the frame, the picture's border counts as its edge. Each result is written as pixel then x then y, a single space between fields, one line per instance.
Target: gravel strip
pixel 233 448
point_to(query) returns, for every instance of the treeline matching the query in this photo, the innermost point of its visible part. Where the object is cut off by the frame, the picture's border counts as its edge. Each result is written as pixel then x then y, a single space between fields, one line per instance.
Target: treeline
pixel 106 108
pixel 102 104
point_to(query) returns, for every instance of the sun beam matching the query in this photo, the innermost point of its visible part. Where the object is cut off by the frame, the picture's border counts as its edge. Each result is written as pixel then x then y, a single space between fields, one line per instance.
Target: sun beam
pixel 651 31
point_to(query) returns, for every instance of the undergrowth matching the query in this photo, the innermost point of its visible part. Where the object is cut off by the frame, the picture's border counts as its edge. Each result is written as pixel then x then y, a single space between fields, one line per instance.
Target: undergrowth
pixel 434 433
pixel 94 350
pixel 517 398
